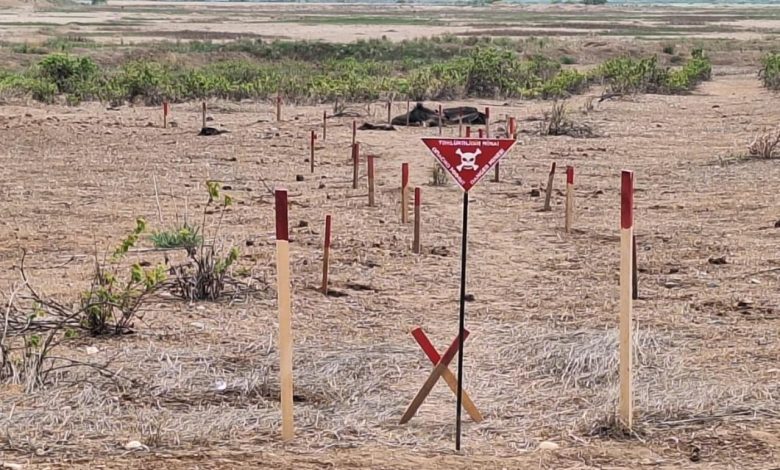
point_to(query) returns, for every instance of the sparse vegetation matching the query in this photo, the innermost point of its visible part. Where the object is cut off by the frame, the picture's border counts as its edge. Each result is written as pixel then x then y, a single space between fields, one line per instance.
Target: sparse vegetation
pixel 204 275
pixel 439 68
pixel 770 71
pixel 439 175
pixel 557 122
pixel 186 237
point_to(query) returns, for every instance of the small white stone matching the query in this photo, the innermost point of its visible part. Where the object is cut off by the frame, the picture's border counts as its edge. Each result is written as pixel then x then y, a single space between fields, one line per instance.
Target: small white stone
pixel 200 307
pixel 92 350
pixel 547 445
pixel 755 281
pixel 198 325
pixel 135 445
pixel 12 466
pixel 220 386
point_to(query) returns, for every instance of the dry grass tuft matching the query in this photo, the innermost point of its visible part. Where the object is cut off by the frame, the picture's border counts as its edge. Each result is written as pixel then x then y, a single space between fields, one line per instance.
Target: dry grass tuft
pixel 765 144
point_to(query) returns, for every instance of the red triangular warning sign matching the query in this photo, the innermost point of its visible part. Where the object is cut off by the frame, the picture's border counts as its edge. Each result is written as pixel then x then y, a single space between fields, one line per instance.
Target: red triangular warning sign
pixel 467 160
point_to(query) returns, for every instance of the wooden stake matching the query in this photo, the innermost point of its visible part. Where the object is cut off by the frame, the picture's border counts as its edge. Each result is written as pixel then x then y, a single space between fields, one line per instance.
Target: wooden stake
pixel 407 113
pixel 204 114
pixel 634 271
pixel 324 125
pixel 440 119
pixel 285 313
pixel 370 180
pixel 487 122
pixel 278 108
pixel 404 185
pixel 569 198
pixel 447 375
pixel 354 132
pixel 417 202
pixel 468 132
pixel 389 111
pixel 433 377
pixel 626 327
pixel 326 256
pixel 481 134
pixel 548 194
pixel 165 114
pixel 355 164
pixel 460 125
pixel 311 146
pixel 512 128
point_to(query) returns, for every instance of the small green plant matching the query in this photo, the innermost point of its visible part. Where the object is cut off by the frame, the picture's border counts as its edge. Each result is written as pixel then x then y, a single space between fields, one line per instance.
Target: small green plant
pixel 204 275
pixel 668 49
pixel 186 237
pixel 111 304
pixel 568 60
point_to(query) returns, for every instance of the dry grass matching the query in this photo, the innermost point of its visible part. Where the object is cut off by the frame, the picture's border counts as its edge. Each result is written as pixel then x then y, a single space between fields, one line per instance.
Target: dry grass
pixel 765 144
pixel 200 380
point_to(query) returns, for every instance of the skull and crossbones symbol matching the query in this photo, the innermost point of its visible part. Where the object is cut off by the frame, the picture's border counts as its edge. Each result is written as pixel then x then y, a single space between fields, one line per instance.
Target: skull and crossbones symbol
pixel 468 160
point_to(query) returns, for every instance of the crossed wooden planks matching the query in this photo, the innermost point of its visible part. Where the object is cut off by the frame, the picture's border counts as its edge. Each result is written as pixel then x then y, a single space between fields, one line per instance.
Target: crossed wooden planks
pixel 441 369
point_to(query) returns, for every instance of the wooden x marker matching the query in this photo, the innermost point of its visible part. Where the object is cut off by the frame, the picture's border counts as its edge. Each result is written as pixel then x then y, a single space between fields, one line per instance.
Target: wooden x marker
pixel 441 366
pixel 447 375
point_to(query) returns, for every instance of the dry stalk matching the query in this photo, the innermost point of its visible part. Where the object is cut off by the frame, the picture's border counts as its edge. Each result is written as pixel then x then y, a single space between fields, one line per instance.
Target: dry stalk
pixel 764 144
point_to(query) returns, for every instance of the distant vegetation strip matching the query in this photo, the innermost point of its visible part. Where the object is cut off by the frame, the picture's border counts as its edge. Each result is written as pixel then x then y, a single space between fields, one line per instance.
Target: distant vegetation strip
pixel 368 70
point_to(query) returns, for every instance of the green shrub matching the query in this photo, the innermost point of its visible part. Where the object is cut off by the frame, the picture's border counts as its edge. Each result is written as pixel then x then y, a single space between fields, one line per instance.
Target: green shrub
pixel 770 71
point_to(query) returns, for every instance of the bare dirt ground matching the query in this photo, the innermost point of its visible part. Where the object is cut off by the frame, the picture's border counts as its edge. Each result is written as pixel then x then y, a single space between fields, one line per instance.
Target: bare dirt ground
pixel 541 361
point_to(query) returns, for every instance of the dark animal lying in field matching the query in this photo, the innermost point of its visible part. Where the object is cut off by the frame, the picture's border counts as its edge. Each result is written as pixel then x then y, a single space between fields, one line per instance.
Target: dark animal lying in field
pixel 422 116
pixel 376 127
pixel 212 131
pixel 464 114
pixel 419 116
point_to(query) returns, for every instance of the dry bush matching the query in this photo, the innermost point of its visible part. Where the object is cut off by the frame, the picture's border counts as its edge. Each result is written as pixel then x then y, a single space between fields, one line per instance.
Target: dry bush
pixel 765 144
pixel 557 122
pixel 439 175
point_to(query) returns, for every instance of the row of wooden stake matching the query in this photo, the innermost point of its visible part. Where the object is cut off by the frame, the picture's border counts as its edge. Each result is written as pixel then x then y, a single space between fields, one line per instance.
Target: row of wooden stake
pixel 627 294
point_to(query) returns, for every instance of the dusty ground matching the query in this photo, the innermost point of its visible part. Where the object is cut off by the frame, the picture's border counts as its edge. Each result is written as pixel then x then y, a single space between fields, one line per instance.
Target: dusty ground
pixel 541 361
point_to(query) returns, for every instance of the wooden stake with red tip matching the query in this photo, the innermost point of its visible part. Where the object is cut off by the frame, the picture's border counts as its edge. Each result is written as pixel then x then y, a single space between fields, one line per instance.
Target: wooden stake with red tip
pixel 468 132
pixel 355 164
pixel 285 313
pixel 404 193
pixel 626 406
pixel 569 198
pixel 354 132
pixel 407 113
pixel 166 109
pixel 370 159
pixel 278 108
pixel 634 271
pixel 460 125
pixel 417 203
pixel 326 256
pixel 447 375
pixel 548 193
pixel 203 112
pixel 324 125
pixel 311 146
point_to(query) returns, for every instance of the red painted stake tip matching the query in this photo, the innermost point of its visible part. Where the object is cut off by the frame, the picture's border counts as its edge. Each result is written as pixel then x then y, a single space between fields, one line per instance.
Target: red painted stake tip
pixel 487 112
pixel 282 230
pixel 569 175
pixel 481 134
pixel 417 197
pixel 468 131
pixel 327 231
pixel 627 199
pixel 404 174
pixel 552 168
